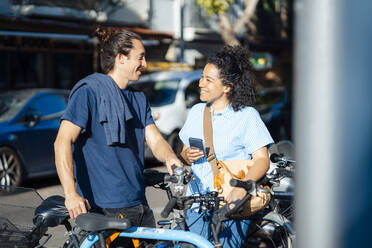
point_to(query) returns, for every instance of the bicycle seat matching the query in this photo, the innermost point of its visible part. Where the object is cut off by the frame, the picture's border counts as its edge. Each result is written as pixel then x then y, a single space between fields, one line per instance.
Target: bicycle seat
pixel 93 222
pixel 52 212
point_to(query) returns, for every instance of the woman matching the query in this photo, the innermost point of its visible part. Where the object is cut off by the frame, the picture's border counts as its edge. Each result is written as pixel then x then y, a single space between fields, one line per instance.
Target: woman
pixel 227 85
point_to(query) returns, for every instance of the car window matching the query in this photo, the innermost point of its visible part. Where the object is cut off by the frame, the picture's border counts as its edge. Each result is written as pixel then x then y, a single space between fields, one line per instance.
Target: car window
pixel 192 94
pixel 11 103
pixel 158 93
pixel 48 104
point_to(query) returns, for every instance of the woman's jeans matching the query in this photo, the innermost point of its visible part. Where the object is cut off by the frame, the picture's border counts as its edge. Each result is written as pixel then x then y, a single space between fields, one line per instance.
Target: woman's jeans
pixel 232 236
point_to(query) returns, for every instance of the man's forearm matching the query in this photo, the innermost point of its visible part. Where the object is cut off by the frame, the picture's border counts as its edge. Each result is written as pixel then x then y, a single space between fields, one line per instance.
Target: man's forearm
pixel 64 166
pixel 67 135
pixel 162 150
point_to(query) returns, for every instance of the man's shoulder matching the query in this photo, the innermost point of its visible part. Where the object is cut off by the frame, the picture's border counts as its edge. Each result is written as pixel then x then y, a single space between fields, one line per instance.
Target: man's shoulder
pixel 93 82
pixel 138 95
pixel 82 90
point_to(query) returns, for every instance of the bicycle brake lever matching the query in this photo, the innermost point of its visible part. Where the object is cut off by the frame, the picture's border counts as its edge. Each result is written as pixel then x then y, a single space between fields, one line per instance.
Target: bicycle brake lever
pixel 173 167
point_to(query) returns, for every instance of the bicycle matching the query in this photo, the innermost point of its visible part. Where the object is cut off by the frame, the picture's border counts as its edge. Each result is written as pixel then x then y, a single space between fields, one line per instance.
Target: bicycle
pixel 90 229
pixel 211 201
pixel 94 229
pixel 271 227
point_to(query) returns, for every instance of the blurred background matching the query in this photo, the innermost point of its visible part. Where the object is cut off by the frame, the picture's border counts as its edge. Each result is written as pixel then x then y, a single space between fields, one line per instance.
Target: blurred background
pixel 312 60
pixel 46 44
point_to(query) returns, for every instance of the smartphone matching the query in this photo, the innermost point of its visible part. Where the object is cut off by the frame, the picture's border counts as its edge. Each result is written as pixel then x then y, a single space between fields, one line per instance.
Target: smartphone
pixel 196 142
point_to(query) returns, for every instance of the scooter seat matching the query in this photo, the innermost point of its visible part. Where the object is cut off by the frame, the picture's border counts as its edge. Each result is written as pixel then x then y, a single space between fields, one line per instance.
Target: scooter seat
pixel 93 222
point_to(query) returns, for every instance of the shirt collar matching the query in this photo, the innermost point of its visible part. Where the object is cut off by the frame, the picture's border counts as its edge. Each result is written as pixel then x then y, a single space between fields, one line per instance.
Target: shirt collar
pixel 224 112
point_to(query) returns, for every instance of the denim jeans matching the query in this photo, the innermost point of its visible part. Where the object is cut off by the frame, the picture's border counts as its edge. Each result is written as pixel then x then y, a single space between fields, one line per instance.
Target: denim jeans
pixel 139 215
pixel 232 236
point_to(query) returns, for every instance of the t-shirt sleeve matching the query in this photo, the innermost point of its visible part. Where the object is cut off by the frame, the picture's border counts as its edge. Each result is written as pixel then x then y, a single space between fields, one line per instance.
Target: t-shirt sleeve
pixel 148 118
pixel 77 110
pixel 258 136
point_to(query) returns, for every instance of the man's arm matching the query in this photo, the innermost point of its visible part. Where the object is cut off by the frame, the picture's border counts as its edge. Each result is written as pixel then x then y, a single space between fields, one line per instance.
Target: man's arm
pixel 67 135
pixel 160 148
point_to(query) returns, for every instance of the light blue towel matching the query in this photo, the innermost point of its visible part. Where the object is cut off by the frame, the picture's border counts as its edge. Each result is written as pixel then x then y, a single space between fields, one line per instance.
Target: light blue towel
pixel 113 108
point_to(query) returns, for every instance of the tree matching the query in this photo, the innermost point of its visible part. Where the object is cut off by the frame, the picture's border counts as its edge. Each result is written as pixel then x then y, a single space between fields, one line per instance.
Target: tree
pixel 244 11
pixel 229 30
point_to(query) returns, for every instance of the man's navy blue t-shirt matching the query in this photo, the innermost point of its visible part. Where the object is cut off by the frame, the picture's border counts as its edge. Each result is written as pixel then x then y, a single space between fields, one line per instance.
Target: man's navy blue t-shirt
pixel 109 176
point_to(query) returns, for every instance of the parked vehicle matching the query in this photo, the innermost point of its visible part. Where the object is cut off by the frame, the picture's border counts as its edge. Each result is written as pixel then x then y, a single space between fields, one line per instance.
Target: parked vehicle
pixel 29 121
pixel 274 107
pixel 171 95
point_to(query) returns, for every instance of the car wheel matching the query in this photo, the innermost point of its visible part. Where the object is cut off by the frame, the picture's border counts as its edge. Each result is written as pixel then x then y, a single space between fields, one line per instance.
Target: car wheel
pixel 175 143
pixel 10 167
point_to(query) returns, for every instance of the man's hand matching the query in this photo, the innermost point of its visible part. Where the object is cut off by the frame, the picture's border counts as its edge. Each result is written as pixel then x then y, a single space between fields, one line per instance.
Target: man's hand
pixel 76 205
pixel 172 161
pixel 236 194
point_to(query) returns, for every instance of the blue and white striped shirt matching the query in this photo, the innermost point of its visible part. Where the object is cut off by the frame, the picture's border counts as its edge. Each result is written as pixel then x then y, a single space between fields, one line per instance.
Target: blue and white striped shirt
pixel 236 135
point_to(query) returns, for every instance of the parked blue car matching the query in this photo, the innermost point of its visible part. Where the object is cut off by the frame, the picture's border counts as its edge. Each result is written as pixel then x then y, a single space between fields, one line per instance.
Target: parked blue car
pixel 29 121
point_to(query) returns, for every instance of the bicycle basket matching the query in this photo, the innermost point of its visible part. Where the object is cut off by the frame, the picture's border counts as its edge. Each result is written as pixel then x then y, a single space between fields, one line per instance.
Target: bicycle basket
pixel 17 206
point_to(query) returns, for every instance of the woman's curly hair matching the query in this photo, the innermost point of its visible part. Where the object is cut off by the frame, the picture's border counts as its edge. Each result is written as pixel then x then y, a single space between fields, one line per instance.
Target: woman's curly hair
pixel 236 71
pixel 113 42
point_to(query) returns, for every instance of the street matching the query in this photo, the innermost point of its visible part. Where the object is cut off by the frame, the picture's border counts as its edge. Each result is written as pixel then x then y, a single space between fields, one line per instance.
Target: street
pixel 157 199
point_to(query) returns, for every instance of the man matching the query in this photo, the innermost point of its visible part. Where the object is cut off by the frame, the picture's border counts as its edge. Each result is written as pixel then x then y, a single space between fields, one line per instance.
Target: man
pixel 103 131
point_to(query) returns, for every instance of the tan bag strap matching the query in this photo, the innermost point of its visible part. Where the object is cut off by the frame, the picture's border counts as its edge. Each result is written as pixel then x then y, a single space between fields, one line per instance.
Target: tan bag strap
pixel 208 138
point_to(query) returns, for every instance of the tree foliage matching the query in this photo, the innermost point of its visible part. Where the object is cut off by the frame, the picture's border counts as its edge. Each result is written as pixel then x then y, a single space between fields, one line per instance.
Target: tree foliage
pixel 229 31
pixel 215 6
pixel 240 16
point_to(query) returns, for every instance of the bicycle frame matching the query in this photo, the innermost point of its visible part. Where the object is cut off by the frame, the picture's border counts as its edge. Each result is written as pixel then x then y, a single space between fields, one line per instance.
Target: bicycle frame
pixel 154 234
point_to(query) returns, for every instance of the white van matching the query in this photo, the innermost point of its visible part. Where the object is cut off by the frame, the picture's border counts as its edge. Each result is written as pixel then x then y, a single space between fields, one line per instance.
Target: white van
pixel 171 95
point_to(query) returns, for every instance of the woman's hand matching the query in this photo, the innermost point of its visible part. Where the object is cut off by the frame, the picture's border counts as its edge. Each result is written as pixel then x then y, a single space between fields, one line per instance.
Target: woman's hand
pixel 236 194
pixel 191 154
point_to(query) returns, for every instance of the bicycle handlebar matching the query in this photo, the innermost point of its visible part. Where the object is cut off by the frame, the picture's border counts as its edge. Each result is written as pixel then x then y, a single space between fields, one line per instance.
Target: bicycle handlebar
pixel 154 177
pixel 277 158
pixel 231 208
pixel 247 185
pixel 168 208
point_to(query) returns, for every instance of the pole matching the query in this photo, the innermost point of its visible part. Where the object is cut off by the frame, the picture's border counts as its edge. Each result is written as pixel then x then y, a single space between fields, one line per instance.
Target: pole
pixel 182 42
pixel 333 123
